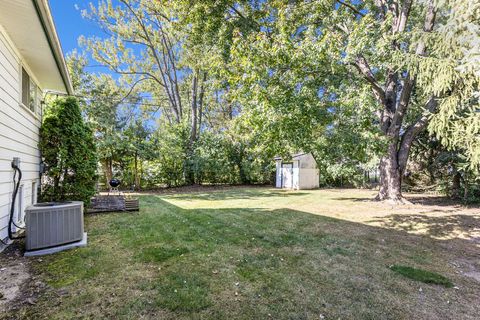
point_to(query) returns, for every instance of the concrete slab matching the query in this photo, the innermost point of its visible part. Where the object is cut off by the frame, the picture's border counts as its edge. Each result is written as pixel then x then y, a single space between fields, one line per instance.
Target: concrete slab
pixel 42 252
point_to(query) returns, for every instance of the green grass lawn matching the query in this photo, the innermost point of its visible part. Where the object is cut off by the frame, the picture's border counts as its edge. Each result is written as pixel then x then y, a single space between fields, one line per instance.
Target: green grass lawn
pixel 255 253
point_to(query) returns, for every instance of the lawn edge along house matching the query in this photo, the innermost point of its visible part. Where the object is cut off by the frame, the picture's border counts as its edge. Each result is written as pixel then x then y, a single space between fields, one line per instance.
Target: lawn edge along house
pixel 31 64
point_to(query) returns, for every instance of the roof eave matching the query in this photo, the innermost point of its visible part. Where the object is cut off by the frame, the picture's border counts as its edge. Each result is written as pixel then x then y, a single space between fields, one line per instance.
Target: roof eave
pixel 43 11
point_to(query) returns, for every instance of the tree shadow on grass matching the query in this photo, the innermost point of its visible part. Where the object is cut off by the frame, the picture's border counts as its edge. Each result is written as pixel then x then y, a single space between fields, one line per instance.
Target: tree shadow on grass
pixel 252 263
pixel 239 194
pixel 445 226
pixel 355 199
pixel 439 201
pixel 329 258
pixel 416 200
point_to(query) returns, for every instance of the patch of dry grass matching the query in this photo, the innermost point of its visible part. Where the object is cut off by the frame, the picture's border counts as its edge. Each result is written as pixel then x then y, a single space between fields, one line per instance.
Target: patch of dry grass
pixel 265 253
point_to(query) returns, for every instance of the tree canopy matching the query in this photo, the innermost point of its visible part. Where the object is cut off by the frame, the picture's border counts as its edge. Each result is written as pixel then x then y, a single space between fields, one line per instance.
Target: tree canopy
pixel 215 89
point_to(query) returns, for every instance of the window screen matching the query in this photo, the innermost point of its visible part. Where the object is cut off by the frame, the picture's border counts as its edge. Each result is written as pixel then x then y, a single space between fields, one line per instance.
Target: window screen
pixel 32 101
pixel 39 102
pixel 25 88
pixel 31 93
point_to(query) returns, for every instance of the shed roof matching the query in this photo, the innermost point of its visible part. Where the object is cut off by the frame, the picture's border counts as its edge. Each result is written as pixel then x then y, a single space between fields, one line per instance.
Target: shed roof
pixel 295 156
pixel 298 155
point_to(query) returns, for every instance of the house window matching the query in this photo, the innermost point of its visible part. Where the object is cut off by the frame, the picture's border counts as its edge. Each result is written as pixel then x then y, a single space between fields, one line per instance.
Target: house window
pixel 39 102
pixel 31 94
pixel 32 101
pixel 25 87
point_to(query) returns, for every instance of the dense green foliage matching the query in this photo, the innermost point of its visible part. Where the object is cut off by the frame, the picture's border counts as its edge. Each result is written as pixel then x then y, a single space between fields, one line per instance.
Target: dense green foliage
pixel 68 151
pixel 211 91
pixel 434 167
pixel 384 73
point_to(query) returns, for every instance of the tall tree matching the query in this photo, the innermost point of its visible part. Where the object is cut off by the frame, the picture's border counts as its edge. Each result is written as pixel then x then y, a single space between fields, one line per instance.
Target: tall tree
pixel 109 105
pixel 414 68
pixel 69 153
pixel 147 42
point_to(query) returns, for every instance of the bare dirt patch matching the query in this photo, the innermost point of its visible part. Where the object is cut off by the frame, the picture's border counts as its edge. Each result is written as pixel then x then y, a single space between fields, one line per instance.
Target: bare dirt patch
pixel 18 285
pixel 13 274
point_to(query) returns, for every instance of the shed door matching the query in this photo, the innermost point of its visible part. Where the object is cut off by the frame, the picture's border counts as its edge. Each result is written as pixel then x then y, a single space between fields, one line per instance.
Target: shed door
pixel 287 175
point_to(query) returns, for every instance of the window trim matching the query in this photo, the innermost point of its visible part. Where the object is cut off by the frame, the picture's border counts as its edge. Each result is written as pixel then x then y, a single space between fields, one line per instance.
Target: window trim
pixel 23 68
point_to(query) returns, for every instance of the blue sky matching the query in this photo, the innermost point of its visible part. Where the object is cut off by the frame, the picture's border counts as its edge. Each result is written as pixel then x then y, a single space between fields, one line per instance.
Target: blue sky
pixel 70 25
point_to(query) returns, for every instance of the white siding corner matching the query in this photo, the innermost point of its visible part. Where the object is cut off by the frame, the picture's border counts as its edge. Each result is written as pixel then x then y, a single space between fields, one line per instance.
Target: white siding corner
pixel 19 136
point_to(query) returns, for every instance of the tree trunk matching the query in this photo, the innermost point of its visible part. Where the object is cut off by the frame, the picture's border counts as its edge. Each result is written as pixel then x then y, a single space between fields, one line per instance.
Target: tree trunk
pixel 456 185
pixel 390 177
pixel 194 113
pixel 465 187
pixel 244 179
pixel 137 176
pixel 107 169
pixel 394 99
pixel 189 172
pixel 200 104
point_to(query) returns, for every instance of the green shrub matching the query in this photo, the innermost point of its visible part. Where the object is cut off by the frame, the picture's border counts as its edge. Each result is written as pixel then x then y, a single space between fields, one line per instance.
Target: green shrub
pixel 422 275
pixel 69 153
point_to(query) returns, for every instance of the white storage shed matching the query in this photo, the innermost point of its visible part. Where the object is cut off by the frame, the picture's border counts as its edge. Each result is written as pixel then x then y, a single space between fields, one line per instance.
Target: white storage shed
pixel 300 173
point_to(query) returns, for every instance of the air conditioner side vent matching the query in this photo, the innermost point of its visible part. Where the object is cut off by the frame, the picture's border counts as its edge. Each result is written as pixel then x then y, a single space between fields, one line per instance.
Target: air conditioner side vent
pixel 51 226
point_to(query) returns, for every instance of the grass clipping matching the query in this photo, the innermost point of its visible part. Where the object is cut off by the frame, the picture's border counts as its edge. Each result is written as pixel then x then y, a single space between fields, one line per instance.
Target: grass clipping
pixel 422 275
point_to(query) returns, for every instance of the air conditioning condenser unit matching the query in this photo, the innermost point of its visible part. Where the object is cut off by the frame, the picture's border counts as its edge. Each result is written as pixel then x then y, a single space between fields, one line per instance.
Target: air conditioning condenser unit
pixel 54 226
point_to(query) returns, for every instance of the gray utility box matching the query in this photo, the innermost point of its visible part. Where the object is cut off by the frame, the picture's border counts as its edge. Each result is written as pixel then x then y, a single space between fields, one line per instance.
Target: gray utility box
pixel 52 224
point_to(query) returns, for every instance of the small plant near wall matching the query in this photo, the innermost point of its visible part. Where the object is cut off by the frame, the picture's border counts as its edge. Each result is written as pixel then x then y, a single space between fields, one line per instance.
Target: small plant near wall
pixel 69 154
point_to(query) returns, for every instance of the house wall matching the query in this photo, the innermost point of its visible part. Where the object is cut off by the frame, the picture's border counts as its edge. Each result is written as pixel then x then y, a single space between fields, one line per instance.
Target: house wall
pixel 19 134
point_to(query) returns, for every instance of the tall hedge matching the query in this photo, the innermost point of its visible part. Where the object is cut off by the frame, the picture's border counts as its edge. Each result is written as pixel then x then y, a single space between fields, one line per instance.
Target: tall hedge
pixel 68 151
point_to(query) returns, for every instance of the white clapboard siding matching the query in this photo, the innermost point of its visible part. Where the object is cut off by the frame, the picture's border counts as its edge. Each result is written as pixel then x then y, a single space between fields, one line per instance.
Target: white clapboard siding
pixel 9 130
pixel 5 198
pixel 18 145
pixel 10 109
pixel 10 154
pixel 19 134
pixel 7 65
pixel 26 175
pixel 4 222
pixel 8 83
pixel 8 53
pixel 9 78
pixel 8 70
pixel 5 165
